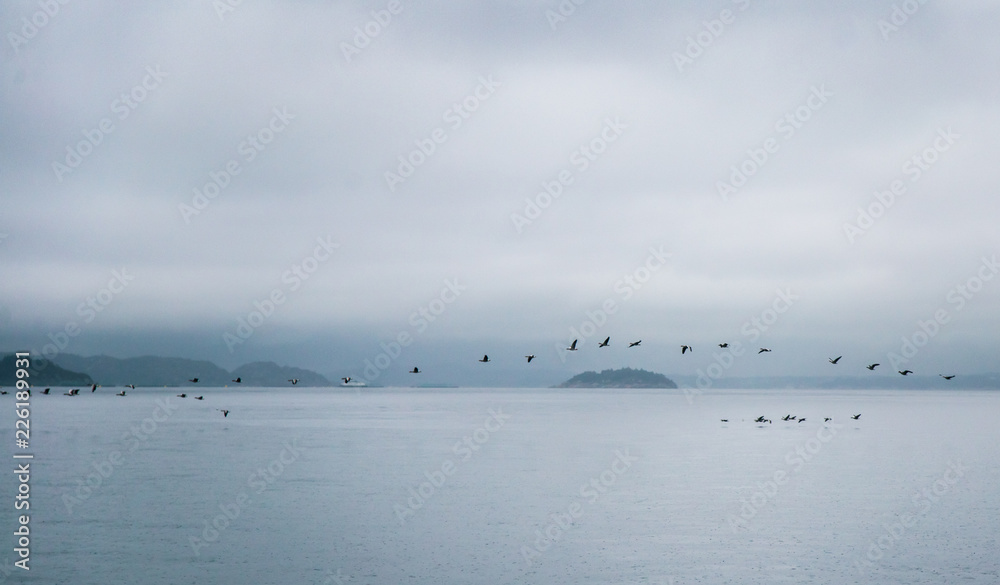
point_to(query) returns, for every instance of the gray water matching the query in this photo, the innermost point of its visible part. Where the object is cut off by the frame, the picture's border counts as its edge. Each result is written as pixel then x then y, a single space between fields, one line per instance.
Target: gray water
pixel 564 486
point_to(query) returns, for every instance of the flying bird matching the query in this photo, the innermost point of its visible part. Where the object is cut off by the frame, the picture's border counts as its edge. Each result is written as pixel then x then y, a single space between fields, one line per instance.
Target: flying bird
pixel 46 391
pixel 486 358
pixel 238 380
pixel 836 359
pixel 605 343
pixel 193 380
pixel 415 370
pixel 685 349
pixel 802 420
pixel 182 396
pixel 346 380
pixel 93 387
pixel 947 377
pixel 905 372
pixel 199 397
pixel 635 343
pixel 572 346
pixel 529 358
pixel 224 412
pixel 760 419
pixel 788 417
pixel 872 366
pixel 132 386
pixel 762 350
pixel 294 381
pixel 724 420
pixel 856 417
pixel 122 393
pixel 723 345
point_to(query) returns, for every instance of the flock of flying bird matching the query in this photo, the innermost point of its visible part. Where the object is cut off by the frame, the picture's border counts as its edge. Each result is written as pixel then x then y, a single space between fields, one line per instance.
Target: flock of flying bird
pixel 486 359
pixel 684 349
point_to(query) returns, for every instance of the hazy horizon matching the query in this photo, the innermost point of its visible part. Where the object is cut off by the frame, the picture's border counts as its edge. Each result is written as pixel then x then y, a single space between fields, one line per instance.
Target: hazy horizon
pixel 311 183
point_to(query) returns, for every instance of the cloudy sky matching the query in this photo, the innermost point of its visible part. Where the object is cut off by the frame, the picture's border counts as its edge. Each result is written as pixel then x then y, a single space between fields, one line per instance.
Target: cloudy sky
pixel 312 182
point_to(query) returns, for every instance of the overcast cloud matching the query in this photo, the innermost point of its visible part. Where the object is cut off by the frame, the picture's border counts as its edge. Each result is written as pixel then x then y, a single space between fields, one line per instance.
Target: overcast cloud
pixel 113 117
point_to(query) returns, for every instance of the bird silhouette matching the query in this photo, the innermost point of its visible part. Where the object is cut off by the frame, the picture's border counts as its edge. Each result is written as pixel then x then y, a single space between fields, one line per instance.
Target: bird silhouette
pixel 182 396
pixel 949 377
pixel 415 370
pixel 224 412
pixel 685 349
pixel 872 366
pixel 132 386
pixel 199 397
pixel 529 358
pixel 802 420
pixel 905 372
pixel 724 419
pixel 762 350
pixel 723 345
pixel 605 342
pixel 635 343
pixel 346 380
pixel 93 387
pixel 486 358
pixel 827 419
pixel 46 391
pixel 836 359
pixel 572 346
pixel 294 381
pixel 122 393
pixel 238 380
pixel 193 380
pixel 856 417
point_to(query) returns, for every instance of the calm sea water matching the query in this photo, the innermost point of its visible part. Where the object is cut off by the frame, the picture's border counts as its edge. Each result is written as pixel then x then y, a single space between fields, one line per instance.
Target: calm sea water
pixel 509 486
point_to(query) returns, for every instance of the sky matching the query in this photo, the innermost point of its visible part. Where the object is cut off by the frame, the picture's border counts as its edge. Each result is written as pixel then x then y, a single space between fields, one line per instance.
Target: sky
pixel 352 187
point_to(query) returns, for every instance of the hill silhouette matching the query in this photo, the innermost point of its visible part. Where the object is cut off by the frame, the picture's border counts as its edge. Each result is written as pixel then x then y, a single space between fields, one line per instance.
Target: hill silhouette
pixel 623 378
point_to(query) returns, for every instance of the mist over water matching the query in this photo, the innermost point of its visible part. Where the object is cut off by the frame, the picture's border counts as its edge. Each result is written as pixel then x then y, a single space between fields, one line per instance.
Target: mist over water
pixel 512 486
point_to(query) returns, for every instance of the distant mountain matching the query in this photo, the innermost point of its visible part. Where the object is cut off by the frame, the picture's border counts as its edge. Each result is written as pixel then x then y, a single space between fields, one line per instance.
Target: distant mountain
pixel 271 374
pixel 623 378
pixel 168 371
pixel 41 372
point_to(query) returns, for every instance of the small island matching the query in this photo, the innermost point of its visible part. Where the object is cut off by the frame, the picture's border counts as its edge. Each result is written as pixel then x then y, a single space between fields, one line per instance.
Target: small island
pixel 623 378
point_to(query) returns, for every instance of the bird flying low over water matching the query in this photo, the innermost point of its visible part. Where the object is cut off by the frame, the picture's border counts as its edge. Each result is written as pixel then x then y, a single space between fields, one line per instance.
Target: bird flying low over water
pixel 415 370
pixel 802 420
pixel 199 397
pixel 132 386
pixel 836 359
pixel 905 372
pixel 73 392
pixel 856 417
pixel 224 412
pixel 788 417
pixel 486 358
pixel 122 393
pixel 46 391
pixel 182 396
pixel 238 380
pixel 827 419
pixel 872 366
pixel 635 343
pixel 723 345
pixel 949 377
pixel 193 380
pixel 685 349
pixel 529 358
pixel 346 380
pixel 294 381
pixel 762 350
pixel 724 420
pixel 572 346
pixel 759 419
pixel 605 343
pixel 93 387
